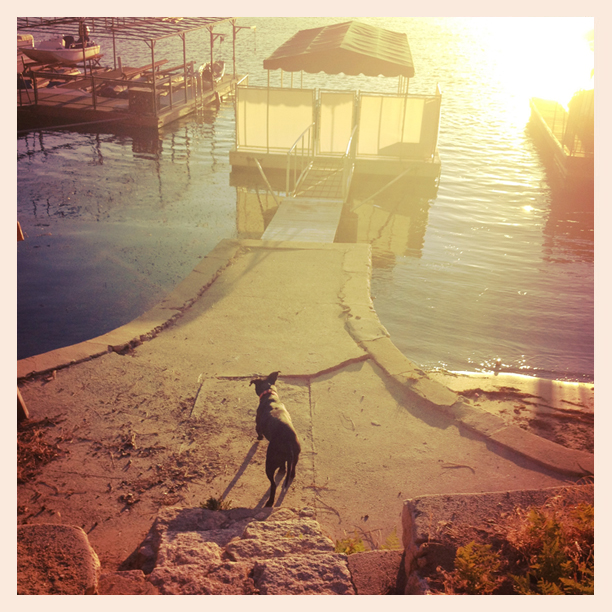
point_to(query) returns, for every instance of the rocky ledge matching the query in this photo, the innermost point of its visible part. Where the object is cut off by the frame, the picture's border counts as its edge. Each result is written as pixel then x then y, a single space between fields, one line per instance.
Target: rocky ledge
pixel 283 551
pixel 195 551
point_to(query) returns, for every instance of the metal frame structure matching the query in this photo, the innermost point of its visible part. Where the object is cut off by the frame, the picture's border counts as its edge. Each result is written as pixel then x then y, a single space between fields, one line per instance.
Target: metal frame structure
pixel 149 30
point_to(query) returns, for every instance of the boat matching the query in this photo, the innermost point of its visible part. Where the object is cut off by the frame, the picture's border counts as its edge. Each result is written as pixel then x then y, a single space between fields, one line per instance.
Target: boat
pixel 208 76
pixel 24 40
pixel 62 50
pixel 567 135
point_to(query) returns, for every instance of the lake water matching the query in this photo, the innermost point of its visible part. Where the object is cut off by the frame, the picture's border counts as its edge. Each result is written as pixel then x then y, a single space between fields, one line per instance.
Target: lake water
pixel 497 265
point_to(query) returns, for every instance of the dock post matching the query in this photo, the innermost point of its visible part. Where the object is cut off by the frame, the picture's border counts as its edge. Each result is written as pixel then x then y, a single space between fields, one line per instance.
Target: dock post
pixel 22 410
pixel 183 36
pixel 153 77
pixel 234 48
pixel 93 89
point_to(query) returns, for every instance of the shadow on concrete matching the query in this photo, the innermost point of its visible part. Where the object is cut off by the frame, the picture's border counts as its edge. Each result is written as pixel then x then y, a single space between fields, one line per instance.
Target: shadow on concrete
pixel 417 406
pixel 241 469
pixel 433 416
pixel 207 298
pixel 281 491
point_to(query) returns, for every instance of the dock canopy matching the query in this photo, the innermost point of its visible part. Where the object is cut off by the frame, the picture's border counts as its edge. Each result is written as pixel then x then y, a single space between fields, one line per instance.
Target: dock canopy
pixel 351 48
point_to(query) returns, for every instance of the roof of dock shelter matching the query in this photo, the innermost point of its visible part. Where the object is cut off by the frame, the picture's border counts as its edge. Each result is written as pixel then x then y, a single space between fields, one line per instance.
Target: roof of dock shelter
pixel 351 48
pixel 141 28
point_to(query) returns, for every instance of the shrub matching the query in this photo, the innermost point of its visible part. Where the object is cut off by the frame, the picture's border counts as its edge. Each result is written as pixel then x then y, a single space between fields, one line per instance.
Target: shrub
pixel 476 571
pixel 558 546
pixel 552 546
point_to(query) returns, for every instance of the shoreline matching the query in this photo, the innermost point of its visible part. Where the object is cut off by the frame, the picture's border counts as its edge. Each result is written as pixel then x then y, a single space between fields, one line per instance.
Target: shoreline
pixel 539 406
pixel 559 411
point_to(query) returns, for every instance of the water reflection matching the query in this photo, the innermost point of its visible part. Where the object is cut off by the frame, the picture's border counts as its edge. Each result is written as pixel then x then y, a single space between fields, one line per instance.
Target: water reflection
pixel 393 222
pixel 114 221
pixel 568 232
pixel 147 144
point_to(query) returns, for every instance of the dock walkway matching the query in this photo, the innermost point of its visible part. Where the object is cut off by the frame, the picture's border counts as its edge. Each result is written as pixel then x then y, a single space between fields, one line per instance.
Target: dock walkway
pixel 160 411
pixel 313 212
pixel 305 220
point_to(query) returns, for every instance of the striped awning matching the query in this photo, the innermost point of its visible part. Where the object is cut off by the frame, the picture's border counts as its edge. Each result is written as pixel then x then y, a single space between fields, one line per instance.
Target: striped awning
pixel 351 48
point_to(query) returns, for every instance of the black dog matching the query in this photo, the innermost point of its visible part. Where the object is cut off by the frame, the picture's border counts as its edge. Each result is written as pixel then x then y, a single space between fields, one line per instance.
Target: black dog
pixel 273 422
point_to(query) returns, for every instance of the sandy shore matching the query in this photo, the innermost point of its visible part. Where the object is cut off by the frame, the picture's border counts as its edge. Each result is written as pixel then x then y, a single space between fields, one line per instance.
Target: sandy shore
pixel 560 411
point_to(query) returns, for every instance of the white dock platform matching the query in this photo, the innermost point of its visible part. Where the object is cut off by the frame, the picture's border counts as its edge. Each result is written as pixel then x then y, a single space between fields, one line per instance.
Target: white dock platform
pixel 305 220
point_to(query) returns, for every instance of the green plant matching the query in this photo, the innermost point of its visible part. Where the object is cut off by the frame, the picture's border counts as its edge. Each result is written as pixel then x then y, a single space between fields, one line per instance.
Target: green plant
pixel 558 545
pixel 477 570
pixel 552 547
pixel 212 503
pixel 349 545
pixel 392 542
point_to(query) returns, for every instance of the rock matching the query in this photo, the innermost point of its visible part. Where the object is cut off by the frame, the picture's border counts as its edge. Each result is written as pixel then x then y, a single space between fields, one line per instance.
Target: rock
pixel 281 551
pixel 378 572
pixel 321 574
pixel 132 582
pixel 55 559
pixel 219 527
pixel 222 579
pixel 189 519
pixel 190 548
pixel 266 539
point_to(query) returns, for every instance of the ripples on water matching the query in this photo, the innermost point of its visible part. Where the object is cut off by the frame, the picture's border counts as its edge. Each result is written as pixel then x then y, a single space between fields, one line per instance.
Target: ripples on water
pixel 499 265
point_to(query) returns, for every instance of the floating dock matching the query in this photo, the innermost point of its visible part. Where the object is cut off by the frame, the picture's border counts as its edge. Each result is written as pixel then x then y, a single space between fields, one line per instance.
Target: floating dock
pixel 310 143
pixel 289 130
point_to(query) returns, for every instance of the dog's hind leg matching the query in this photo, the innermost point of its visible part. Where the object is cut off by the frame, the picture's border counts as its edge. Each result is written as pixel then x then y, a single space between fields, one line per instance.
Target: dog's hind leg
pixel 270 470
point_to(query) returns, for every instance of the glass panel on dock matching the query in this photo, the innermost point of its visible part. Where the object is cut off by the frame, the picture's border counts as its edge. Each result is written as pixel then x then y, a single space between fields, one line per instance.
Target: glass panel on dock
pixel 336 122
pixel 272 118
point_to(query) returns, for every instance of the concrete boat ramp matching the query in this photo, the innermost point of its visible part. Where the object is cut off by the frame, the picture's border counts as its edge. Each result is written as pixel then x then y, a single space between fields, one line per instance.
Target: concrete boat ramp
pixel 159 413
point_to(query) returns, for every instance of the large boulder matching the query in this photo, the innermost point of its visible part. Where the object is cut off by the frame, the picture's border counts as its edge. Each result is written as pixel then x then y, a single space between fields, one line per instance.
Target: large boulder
pixel 55 559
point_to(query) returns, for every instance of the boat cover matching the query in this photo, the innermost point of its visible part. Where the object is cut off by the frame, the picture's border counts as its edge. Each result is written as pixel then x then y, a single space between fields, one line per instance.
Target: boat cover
pixel 351 48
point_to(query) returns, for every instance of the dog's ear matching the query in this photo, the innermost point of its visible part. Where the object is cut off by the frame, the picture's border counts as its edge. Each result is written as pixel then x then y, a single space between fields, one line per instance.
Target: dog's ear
pixel 253 382
pixel 272 378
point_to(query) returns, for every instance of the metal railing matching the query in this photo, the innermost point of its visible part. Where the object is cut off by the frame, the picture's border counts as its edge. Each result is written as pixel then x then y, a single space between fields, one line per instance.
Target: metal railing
pixel 348 164
pixel 265 179
pixel 301 153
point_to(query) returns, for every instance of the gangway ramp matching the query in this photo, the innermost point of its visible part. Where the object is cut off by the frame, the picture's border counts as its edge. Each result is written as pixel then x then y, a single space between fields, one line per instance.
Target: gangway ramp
pixel 305 220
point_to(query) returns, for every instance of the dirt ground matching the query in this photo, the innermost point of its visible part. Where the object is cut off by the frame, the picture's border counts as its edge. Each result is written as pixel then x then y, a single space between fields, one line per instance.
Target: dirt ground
pixel 154 443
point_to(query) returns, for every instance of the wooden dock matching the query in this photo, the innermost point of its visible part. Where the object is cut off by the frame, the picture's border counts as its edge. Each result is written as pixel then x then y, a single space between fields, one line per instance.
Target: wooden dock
pixel 74 102
pixel 305 220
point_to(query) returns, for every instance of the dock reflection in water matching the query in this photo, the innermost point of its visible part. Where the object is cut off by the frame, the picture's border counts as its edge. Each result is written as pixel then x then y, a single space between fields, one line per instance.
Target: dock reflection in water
pixel 393 222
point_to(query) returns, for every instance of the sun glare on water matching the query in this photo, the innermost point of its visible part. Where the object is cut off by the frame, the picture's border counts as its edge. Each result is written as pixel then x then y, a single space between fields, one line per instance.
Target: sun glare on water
pixel 544 57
